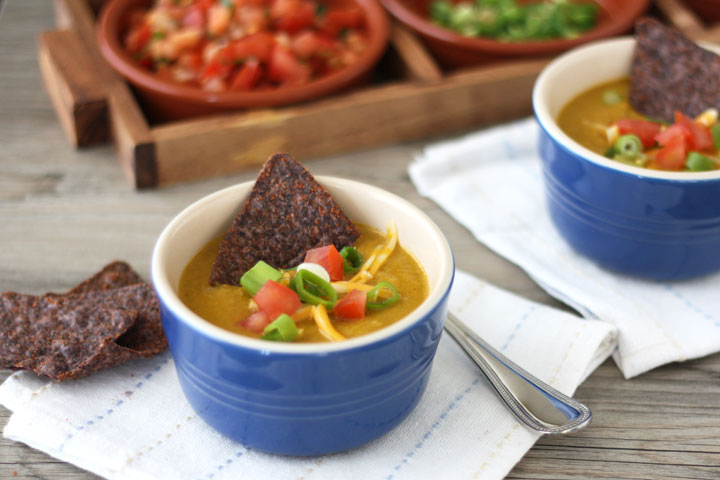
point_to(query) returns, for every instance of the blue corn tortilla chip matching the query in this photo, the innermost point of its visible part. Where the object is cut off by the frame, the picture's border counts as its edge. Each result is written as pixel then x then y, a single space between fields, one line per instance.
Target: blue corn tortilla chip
pixel 106 320
pixel 670 72
pixel 286 213
pixel 113 275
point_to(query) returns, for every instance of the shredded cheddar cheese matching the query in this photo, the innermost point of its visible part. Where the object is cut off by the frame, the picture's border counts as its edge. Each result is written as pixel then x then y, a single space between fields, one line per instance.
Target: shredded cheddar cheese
pixel 303 314
pixel 345 287
pixel 324 325
pixel 386 249
pixel 708 117
pixel 378 256
pixel 612 133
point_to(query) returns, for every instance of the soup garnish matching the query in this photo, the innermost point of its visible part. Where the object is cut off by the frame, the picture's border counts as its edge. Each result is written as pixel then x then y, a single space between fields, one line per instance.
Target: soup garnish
pixel 603 120
pixel 327 297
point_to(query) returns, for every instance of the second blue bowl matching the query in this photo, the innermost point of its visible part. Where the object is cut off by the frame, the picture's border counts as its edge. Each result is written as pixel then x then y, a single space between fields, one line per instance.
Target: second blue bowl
pixel 653 224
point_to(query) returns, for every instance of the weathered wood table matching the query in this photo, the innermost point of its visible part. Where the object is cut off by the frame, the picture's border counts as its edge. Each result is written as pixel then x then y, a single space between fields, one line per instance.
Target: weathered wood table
pixel 65 213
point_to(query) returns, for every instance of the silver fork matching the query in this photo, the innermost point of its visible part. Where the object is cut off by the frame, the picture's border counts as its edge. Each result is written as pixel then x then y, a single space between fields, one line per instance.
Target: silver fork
pixel 532 401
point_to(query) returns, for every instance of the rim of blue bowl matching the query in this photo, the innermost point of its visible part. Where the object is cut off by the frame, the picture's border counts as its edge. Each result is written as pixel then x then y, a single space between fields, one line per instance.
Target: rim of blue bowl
pixel 435 297
pixel 547 122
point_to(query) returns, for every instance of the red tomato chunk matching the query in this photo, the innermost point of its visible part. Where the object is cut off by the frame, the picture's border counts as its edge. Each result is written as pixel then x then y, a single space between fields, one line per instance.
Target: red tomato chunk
pixel 351 306
pixel 275 299
pixel 240 45
pixel 256 322
pixel 645 130
pixel 328 258
pixel 668 147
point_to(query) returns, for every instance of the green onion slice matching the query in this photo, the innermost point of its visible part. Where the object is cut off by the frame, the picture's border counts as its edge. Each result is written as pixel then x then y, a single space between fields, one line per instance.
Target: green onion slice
pixel 372 296
pixel 282 329
pixel 353 259
pixel 611 97
pixel 715 130
pixel 255 278
pixel 313 289
pixel 697 162
pixel 629 146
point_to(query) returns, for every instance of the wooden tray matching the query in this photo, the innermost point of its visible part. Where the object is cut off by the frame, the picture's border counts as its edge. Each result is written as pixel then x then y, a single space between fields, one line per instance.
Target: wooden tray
pixel 94 105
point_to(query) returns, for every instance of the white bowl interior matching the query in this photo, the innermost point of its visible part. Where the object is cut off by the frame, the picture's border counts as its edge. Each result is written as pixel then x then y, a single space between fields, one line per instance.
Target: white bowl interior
pixel 210 217
pixel 579 70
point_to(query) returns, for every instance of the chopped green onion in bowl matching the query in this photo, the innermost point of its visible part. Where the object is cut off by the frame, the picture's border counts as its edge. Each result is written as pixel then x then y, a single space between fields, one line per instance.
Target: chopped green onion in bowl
pixel 313 290
pixel 255 278
pixel 282 329
pixel 512 21
pixel 697 162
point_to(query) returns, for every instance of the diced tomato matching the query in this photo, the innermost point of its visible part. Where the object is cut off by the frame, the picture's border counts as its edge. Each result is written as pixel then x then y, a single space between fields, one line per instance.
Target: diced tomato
pixel 138 38
pixel 252 18
pixel 672 155
pixel 305 44
pixel 351 306
pixel 275 299
pixel 292 15
pixel 337 20
pixel 205 4
pixel 672 132
pixel 308 43
pixel 191 60
pixel 328 258
pixel 256 322
pixel 284 68
pixel 258 46
pixel 215 70
pixel 194 17
pixel 247 77
pixel 256 3
pixel 348 57
pixel 645 130
pixel 700 136
pixel 218 19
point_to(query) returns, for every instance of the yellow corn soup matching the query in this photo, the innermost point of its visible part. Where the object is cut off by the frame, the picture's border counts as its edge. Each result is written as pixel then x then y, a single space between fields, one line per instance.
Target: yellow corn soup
pixel 586 117
pixel 226 306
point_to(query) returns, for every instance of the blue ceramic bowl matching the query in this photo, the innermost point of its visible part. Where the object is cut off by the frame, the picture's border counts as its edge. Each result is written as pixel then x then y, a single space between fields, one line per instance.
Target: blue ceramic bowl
pixel 303 399
pixel 648 223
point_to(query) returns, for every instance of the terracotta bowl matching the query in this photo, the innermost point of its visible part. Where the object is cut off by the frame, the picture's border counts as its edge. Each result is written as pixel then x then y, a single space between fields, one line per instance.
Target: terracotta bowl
pixel 454 50
pixel 165 100
pixel 707 10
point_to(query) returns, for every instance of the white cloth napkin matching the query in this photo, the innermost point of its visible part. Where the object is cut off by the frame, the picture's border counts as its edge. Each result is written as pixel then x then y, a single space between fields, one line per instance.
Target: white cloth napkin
pixel 491 183
pixel 133 422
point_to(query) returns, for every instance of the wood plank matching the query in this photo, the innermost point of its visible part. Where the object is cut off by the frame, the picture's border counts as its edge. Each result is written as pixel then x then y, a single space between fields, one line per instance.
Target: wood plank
pixel 71 80
pixel 682 18
pixel 130 129
pixel 417 61
pixel 399 112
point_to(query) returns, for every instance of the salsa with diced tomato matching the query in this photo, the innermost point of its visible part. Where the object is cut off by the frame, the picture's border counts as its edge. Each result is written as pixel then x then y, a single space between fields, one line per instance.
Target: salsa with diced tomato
pixel 602 120
pixel 269 298
pixel 243 45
